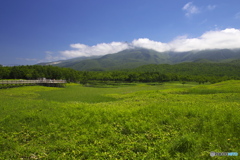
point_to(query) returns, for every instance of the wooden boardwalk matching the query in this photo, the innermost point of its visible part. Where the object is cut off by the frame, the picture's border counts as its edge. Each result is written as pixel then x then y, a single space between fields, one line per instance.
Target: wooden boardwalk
pixel 45 81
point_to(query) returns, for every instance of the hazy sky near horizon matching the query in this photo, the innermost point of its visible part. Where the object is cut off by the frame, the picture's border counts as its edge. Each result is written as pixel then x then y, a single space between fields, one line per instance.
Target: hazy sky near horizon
pixel 33 31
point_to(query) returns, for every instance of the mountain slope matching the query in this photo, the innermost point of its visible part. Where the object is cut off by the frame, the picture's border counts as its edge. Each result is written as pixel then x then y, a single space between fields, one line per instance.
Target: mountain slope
pixel 133 58
pixel 192 68
pixel 125 59
pixel 212 55
pixel 69 62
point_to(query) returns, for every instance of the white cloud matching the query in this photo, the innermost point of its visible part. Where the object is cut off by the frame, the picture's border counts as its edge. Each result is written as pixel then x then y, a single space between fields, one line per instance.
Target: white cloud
pixel 149 44
pixel 217 39
pixel 49 52
pixel 50 56
pixel 211 7
pixel 223 39
pixel 99 49
pixel 237 16
pixel 27 59
pixel 190 9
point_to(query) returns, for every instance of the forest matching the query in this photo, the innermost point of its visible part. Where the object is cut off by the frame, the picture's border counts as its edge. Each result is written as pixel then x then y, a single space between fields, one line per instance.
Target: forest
pixel 36 71
pixel 198 72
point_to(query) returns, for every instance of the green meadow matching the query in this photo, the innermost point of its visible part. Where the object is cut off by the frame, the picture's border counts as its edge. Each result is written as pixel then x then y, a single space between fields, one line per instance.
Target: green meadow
pixel 120 121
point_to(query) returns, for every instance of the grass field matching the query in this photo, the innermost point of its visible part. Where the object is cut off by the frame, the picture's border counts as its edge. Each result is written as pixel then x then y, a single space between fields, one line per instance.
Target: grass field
pixel 137 121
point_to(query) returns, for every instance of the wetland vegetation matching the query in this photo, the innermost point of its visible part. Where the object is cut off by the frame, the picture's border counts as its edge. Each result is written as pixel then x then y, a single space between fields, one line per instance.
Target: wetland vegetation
pixel 167 120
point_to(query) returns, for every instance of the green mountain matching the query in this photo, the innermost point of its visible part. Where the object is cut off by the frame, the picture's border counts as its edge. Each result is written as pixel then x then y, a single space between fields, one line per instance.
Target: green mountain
pixel 67 63
pixel 211 55
pixel 130 58
pixel 133 58
pixel 193 68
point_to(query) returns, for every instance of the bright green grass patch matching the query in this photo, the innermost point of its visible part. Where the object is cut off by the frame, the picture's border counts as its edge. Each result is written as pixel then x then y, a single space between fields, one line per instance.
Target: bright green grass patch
pixel 223 87
pixel 146 122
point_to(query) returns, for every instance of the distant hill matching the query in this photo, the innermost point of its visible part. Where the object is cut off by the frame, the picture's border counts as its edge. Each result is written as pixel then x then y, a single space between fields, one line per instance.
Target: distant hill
pixel 235 62
pixel 124 59
pixel 193 68
pixel 137 57
pixel 211 55
pixel 203 61
pixel 66 63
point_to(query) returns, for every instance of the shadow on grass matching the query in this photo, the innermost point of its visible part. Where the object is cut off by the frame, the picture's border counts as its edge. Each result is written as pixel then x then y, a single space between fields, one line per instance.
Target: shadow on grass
pixel 108 84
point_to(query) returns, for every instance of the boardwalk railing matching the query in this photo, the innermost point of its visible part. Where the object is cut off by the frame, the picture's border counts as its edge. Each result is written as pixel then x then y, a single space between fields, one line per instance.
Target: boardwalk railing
pixel 31 81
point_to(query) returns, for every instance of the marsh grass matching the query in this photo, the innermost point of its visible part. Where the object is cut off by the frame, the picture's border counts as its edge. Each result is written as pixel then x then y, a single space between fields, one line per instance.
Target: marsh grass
pixel 134 122
pixel 98 92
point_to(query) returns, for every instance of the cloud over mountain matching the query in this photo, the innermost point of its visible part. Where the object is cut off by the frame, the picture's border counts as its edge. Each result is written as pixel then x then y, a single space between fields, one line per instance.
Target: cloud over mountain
pixel 218 39
pixel 99 49
pixel 149 44
pixel 223 39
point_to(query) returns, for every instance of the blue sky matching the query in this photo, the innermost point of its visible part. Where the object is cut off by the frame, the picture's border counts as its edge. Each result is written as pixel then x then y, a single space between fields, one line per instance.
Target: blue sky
pixel 33 31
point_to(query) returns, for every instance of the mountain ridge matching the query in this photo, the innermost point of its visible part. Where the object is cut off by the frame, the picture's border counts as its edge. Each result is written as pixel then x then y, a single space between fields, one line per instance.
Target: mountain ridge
pixel 132 58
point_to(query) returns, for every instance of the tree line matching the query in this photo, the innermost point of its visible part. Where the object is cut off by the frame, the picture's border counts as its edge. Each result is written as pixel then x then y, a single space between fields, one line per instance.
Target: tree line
pixel 131 76
pixel 149 73
pixel 37 71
